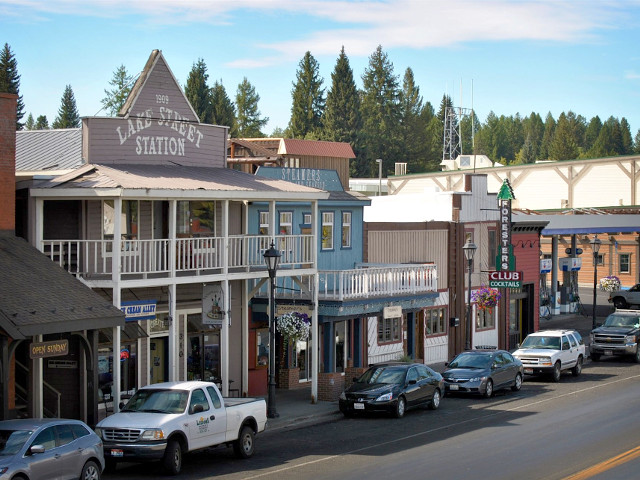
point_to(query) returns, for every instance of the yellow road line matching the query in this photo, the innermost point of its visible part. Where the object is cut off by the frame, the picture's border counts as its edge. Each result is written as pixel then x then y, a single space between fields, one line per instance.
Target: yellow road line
pixel 606 465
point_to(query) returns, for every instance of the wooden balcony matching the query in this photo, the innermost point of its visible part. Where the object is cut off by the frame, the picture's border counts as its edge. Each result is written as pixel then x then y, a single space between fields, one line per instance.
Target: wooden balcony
pixel 193 256
pixel 379 281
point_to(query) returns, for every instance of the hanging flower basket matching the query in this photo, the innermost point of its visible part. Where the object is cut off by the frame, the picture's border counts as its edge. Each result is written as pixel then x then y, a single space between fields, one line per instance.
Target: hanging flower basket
pixel 486 297
pixel 610 283
pixel 294 326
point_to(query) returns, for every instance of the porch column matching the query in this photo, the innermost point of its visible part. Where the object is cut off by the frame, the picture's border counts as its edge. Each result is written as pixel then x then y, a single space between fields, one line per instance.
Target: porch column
pixel 554 272
pixel 244 386
pixel 37 378
pixel 315 331
pixel 117 300
pixel 173 334
pixel 224 337
pixel 272 221
pixel 38 226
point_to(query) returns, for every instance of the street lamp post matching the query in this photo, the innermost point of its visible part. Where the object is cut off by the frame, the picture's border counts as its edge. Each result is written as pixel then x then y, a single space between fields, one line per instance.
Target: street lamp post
pixel 469 250
pixel 595 247
pixel 379 162
pixel 272 257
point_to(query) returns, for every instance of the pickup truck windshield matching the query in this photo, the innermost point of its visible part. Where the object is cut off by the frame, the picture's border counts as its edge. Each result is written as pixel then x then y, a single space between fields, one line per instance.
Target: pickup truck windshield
pixel 158 401
pixel 552 343
pixel 621 321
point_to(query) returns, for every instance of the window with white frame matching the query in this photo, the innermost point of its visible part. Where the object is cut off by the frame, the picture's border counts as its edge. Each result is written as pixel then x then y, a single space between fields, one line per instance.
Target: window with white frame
pixel 624 262
pixel 327 230
pixel 346 229
pixel 485 318
pixel 263 229
pixel 195 218
pixel 434 319
pixel 286 220
pixel 389 329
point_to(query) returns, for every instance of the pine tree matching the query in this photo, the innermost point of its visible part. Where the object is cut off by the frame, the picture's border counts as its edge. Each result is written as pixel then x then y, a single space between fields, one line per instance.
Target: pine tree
pixel 67 113
pixel 547 137
pixel 308 99
pixel 627 141
pixel 250 123
pixel 42 123
pixel 223 112
pixel 380 109
pixel 30 124
pixel 564 145
pixel 341 117
pixel 10 80
pixel 412 126
pixel 636 143
pixel 591 133
pixel 121 84
pixel 197 91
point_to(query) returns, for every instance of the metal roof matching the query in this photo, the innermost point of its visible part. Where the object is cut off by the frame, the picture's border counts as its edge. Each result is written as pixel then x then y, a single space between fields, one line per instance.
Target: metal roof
pixel 154 180
pixel 583 224
pixel 41 298
pixel 315 148
pixel 42 150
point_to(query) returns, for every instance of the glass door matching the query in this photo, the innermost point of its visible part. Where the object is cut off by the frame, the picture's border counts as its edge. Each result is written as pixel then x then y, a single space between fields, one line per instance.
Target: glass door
pixel 341 345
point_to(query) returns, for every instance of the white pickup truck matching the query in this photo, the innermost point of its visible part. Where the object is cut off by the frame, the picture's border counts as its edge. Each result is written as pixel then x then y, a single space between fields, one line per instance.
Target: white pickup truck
pixel 165 420
pixel 551 352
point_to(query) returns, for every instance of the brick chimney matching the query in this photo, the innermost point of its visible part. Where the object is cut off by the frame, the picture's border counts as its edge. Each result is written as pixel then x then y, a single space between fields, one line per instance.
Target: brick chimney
pixel 8 102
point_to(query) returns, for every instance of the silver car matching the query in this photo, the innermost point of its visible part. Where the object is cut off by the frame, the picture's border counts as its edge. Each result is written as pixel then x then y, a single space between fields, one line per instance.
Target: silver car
pixel 50 448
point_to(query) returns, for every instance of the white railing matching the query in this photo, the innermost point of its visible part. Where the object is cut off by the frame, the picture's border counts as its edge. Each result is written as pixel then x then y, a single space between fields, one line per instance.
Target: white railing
pixel 378 281
pixel 197 255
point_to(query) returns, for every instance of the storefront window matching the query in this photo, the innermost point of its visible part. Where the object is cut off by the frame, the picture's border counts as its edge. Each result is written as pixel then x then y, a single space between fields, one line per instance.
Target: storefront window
pixel 127 359
pixel 196 219
pixel 485 318
pixel 435 321
pixel 203 350
pixel 262 347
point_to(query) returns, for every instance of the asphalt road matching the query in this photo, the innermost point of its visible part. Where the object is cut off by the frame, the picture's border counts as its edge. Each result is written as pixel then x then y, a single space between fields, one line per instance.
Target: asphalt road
pixel 545 431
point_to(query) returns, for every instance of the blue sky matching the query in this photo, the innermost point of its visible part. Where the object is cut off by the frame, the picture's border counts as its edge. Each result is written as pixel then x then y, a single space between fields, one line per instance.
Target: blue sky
pixel 520 56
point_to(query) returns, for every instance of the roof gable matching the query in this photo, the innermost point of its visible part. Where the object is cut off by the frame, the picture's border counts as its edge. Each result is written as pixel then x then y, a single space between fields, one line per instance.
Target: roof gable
pixel 156 86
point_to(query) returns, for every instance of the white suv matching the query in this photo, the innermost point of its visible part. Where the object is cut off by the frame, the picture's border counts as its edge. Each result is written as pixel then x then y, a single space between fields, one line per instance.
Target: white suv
pixel 550 352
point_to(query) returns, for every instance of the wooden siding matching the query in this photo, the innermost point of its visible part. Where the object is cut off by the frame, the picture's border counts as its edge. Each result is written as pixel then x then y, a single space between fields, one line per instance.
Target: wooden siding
pixel 410 247
pixel 566 184
pixel 117 141
pixel 340 165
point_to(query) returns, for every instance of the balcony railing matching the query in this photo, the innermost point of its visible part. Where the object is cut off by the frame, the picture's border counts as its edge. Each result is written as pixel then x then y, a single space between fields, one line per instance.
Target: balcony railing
pixel 201 255
pixel 377 281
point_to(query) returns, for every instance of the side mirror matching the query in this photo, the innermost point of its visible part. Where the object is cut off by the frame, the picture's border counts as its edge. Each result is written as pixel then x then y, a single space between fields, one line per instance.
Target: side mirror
pixel 355 379
pixel 36 449
pixel 446 364
pixel 121 405
pixel 197 408
pixel 412 382
pixel 517 345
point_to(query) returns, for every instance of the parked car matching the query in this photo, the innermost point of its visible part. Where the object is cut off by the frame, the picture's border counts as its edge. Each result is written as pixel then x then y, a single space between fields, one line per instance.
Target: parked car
pixel 483 372
pixel 393 388
pixel 626 298
pixel 618 335
pixel 33 448
pixel 165 420
pixel 552 351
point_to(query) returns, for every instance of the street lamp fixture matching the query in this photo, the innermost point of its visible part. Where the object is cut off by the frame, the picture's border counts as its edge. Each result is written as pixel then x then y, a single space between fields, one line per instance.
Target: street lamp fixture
pixel 379 162
pixel 271 258
pixel 469 250
pixel 595 247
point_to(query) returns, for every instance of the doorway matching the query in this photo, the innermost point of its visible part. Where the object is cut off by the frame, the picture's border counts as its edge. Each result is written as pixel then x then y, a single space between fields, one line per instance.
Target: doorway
pixel 158 348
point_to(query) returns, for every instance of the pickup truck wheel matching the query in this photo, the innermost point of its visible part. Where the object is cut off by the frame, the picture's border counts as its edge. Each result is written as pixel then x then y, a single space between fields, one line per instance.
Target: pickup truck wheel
pixel 244 446
pixel 488 390
pixel 620 302
pixel 517 383
pixel 577 369
pixel 90 471
pixel 172 461
pixel 636 357
pixel 557 372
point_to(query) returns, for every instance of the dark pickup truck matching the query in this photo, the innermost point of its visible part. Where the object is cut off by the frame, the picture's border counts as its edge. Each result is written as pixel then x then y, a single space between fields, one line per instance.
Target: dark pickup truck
pixel 618 335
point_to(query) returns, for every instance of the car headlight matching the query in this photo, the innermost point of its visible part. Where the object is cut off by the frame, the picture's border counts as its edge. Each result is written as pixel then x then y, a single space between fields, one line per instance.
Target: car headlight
pixel 385 397
pixel 591 336
pixel 3 470
pixel 630 339
pixel 477 379
pixel 153 434
pixel 98 432
pixel 342 396
pixel 545 361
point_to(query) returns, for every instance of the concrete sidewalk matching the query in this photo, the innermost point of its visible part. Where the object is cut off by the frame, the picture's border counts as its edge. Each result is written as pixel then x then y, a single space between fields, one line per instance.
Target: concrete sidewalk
pixel 296 410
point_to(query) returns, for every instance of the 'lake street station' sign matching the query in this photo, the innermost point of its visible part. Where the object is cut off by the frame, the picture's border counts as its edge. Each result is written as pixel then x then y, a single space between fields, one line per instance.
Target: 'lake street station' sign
pixel 505 279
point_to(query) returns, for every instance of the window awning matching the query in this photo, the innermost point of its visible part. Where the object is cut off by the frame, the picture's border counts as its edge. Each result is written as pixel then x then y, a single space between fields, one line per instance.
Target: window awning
pixel 130 332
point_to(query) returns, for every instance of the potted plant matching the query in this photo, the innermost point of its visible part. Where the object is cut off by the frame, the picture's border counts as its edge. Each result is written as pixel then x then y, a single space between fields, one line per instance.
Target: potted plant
pixel 486 297
pixel 610 283
pixel 294 326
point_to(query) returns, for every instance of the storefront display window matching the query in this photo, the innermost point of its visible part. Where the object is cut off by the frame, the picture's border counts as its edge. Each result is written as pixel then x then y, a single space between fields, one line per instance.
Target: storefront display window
pixel 262 347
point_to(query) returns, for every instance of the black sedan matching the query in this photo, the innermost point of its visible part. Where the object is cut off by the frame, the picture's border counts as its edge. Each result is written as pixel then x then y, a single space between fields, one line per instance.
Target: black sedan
pixel 393 388
pixel 483 372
